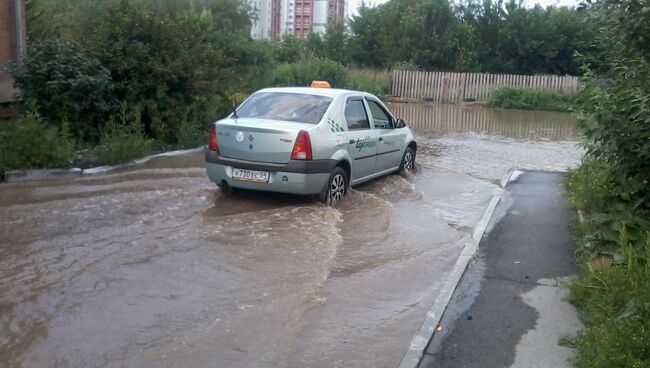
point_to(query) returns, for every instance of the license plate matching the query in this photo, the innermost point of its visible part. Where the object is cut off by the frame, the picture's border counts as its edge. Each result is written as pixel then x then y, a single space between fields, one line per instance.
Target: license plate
pixel 251 175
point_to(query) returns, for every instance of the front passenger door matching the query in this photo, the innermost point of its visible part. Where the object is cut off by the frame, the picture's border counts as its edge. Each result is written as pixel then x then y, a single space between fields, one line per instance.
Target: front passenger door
pixel 389 152
pixel 362 142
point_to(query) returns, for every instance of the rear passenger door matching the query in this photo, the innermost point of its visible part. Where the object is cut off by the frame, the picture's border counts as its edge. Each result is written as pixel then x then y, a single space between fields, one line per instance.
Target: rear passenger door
pixel 362 141
pixel 390 140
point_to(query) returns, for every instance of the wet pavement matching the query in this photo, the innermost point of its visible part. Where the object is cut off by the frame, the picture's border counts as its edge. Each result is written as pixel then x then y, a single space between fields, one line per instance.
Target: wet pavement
pixel 510 308
pixel 157 267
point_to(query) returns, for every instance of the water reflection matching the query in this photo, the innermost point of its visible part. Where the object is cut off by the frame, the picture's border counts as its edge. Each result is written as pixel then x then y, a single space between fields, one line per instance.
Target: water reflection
pixel 445 118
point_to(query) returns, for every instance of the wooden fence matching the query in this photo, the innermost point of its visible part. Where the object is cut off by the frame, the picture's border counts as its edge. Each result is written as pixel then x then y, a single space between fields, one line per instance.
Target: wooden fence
pixel 445 87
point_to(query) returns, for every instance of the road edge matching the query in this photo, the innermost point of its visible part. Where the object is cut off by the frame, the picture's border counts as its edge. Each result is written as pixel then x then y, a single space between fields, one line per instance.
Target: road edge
pixel 22 176
pixel 419 343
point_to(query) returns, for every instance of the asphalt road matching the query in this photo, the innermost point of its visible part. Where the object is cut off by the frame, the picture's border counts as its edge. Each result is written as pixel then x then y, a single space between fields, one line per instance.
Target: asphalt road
pixel 508 310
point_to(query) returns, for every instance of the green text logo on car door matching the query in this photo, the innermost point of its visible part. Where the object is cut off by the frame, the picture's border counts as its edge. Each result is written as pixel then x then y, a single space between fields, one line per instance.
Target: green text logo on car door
pixel 365 143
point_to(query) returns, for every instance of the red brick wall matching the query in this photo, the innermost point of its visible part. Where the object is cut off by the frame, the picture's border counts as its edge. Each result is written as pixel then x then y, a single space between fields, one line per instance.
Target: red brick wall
pixel 7 43
pixel 7 49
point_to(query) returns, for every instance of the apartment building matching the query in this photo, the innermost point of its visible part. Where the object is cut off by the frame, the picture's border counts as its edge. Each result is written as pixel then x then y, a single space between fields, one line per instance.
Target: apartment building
pixel 276 18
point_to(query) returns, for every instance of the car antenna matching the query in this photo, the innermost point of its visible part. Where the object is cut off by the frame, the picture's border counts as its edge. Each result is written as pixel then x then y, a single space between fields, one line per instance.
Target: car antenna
pixel 234 110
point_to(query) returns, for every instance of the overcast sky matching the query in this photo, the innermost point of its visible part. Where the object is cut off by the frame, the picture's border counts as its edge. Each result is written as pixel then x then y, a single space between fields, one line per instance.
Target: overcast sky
pixel 354 4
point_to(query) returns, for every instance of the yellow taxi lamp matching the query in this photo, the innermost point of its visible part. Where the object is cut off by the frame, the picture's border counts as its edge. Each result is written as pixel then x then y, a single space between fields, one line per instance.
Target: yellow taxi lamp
pixel 320 84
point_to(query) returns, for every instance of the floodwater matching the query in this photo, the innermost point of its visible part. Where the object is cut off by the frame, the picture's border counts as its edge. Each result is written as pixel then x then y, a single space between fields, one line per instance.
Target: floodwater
pixel 156 267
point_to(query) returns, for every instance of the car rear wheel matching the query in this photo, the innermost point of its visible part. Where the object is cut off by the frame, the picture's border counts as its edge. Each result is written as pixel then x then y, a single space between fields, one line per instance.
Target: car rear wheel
pixel 336 187
pixel 408 161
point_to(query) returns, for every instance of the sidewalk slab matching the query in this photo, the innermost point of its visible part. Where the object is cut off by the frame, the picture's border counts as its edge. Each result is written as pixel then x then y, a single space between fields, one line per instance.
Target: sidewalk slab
pixel 509 309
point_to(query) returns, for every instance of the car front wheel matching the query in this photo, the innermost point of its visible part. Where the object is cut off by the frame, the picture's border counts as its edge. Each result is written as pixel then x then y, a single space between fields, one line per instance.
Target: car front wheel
pixel 336 187
pixel 408 161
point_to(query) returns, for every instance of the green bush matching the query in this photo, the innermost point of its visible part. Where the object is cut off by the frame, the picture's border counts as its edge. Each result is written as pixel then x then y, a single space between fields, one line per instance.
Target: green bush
pixel 29 143
pixel 63 84
pixel 588 186
pixel 590 189
pixel 122 141
pixel 164 61
pixel 615 120
pixel 192 134
pixel 528 99
pixel 302 74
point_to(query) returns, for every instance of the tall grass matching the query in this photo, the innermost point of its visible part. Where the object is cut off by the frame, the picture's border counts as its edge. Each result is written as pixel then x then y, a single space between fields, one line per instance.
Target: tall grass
pixel 372 81
pixel 123 140
pixel 368 80
pixel 529 99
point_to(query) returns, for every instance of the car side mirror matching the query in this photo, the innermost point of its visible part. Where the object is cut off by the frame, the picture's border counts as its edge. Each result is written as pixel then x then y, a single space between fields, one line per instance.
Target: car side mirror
pixel 400 123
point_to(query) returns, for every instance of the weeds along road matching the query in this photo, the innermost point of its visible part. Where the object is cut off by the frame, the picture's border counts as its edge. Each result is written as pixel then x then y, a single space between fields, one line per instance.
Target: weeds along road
pixel 157 267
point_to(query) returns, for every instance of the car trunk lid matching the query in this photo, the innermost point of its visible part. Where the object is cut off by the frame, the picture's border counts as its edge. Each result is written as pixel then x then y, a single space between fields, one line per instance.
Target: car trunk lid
pixel 258 140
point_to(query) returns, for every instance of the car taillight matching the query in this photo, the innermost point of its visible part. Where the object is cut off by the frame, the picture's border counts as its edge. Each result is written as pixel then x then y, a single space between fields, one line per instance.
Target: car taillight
pixel 302 147
pixel 212 143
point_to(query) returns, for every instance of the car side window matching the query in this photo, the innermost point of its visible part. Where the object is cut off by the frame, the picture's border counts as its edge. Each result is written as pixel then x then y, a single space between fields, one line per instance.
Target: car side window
pixel 355 115
pixel 380 118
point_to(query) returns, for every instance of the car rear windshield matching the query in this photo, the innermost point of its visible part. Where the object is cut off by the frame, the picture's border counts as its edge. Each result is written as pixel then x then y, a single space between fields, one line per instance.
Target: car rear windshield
pixel 296 107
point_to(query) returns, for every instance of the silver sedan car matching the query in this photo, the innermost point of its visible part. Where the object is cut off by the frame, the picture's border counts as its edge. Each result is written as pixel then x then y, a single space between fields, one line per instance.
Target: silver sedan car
pixel 309 141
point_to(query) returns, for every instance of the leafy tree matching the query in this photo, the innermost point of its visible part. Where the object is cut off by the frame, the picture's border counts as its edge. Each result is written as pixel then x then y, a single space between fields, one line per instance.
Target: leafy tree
pixel 492 36
pixel 335 41
pixel 314 46
pixel 514 39
pixel 290 49
pixel 365 44
pixel 425 32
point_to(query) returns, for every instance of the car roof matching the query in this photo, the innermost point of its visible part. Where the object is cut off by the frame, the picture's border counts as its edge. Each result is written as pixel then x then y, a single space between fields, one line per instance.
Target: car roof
pixel 328 92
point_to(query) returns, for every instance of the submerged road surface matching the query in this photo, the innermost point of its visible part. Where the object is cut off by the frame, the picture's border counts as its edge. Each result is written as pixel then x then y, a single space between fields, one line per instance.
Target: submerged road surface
pixel 157 267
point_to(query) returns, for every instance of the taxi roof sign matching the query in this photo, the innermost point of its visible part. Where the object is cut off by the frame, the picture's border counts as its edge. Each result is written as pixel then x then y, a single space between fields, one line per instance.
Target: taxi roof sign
pixel 320 84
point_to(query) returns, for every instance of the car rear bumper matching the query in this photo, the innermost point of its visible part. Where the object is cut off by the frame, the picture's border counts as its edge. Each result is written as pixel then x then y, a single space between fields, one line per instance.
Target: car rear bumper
pixel 297 177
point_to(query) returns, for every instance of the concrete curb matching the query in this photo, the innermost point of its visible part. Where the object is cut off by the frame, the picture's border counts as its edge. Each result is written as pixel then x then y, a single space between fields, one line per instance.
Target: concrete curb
pixel 421 339
pixel 20 176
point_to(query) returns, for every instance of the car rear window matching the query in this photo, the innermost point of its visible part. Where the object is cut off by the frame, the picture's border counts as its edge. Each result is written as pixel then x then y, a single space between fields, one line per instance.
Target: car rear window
pixel 296 107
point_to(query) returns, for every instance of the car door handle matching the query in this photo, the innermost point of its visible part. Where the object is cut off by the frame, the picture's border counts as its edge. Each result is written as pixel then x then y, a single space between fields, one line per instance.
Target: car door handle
pixel 352 141
pixel 381 139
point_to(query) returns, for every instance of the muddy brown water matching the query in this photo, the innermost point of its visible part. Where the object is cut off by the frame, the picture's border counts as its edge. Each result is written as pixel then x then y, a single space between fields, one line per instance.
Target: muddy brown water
pixel 156 267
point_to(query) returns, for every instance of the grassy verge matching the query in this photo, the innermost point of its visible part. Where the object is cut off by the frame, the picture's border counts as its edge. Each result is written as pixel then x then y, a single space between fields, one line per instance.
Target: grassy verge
pixel 612 292
pixel 529 99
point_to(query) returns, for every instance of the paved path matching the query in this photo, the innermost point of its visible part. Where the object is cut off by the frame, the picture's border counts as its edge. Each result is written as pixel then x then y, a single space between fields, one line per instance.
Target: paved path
pixel 508 310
